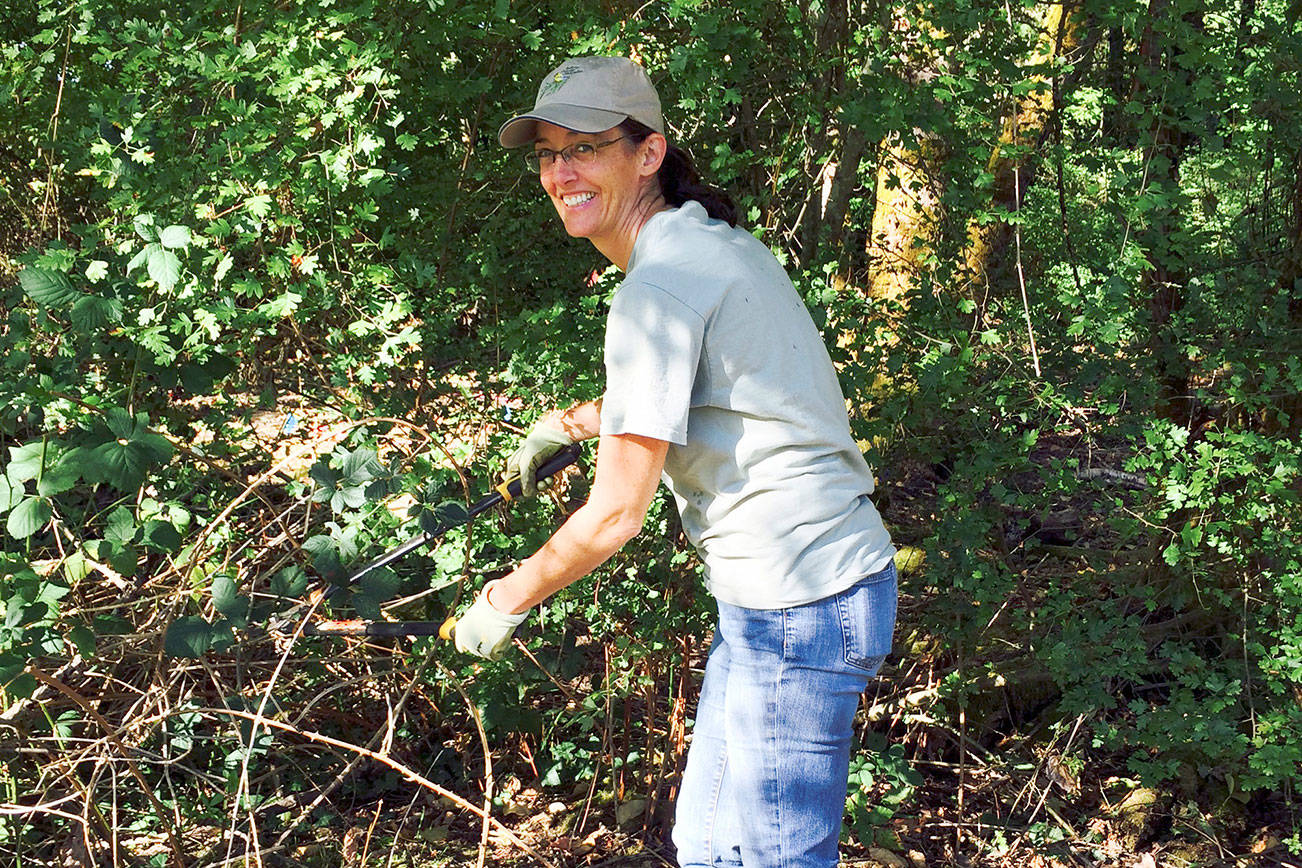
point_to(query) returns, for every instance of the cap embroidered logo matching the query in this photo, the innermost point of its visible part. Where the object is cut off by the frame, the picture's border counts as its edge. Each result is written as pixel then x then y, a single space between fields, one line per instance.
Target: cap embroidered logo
pixel 557 80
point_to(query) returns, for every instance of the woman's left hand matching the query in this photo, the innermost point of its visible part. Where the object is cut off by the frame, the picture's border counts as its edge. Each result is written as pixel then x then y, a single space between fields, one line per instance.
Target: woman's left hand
pixel 485 631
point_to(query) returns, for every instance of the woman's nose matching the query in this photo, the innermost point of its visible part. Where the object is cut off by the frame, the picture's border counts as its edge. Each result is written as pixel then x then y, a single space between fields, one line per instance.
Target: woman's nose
pixel 562 168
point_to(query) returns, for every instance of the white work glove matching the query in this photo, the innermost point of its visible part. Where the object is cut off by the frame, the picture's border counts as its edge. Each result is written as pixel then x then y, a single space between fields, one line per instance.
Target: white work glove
pixel 485 631
pixel 542 442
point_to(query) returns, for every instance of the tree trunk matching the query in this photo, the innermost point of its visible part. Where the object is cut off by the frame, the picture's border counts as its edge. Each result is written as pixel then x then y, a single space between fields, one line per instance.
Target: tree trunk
pixel 830 200
pixel 823 224
pixel 1291 286
pixel 1161 236
pixel 905 220
pixel 1011 163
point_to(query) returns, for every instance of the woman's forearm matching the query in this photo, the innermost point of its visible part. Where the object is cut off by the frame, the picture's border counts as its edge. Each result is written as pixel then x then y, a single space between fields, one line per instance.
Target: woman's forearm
pixel 628 471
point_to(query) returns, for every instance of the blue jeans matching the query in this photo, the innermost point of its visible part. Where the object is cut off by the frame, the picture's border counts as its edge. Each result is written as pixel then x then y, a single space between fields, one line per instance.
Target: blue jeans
pixel 766 774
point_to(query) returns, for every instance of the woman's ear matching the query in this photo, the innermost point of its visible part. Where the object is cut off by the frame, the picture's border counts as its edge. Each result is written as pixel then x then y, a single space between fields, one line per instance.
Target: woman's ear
pixel 653 150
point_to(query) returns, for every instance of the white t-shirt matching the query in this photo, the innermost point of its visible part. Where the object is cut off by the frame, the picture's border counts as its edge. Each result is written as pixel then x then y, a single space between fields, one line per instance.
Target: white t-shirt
pixel 709 347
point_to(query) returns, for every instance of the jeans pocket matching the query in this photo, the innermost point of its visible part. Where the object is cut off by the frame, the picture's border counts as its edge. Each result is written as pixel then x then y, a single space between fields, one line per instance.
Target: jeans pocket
pixel 867 613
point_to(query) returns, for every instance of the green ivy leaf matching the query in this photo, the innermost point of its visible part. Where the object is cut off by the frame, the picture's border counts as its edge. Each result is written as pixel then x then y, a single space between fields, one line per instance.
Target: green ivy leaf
pixel 29 516
pixel 46 287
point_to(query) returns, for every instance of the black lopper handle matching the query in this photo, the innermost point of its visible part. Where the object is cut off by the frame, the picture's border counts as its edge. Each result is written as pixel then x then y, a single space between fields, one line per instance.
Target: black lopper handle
pixel 506 492
pixel 550 467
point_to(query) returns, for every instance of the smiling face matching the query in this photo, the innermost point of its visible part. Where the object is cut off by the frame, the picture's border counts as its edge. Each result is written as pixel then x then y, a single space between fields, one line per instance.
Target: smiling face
pixel 608 199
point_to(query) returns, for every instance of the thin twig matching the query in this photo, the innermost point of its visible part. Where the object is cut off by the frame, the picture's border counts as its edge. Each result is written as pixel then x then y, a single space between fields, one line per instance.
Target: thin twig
pixel 403 770
pixel 178 854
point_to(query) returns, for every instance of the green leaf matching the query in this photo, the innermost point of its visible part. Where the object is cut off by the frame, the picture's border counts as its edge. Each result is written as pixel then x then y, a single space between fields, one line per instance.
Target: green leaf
pixel 75 567
pixel 10 494
pixel 448 514
pixel 289 582
pixel 324 475
pixel 175 237
pixel 84 639
pixel 361 466
pixel 60 477
pixel 190 636
pixel 325 556
pixel 92 312
pixel 227 599
pixel 164 268
pixel 144 226
pixel 367 606
pixel 139 259
pixel 125 449
pixel 97 270
pixel 120 529
pixel 380 584
pixel 29 516
pixel 258 205
pixel 46 287
pixel 161 536
pixel 20 686
pixel 199 377
pixel 27 461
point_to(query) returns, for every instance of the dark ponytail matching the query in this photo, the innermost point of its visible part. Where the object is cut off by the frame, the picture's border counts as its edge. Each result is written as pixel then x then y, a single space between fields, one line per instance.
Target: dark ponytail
pixel 679 180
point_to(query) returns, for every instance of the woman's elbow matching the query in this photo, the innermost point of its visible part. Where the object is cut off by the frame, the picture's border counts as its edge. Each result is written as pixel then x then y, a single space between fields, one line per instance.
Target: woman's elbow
pixel 616 528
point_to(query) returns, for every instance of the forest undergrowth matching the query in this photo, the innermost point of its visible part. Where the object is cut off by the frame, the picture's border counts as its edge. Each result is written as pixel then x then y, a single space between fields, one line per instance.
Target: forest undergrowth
pixel 272 302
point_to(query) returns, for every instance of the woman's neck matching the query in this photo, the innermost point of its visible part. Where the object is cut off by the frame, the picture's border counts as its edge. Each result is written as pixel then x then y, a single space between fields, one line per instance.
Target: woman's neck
pixel 620 248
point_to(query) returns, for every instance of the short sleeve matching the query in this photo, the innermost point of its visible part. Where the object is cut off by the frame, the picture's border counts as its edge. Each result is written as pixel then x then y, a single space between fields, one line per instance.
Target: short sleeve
pixel 653 347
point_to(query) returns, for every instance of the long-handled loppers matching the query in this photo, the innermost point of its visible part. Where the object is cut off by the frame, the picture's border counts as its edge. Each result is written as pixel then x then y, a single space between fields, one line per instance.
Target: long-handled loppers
pixel 503 493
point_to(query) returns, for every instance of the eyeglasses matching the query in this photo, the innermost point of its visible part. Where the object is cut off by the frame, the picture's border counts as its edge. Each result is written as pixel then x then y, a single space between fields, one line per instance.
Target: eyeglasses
pixel 582 152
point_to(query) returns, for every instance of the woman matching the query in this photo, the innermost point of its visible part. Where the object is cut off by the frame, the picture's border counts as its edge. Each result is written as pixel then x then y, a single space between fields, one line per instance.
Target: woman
pixel 717 379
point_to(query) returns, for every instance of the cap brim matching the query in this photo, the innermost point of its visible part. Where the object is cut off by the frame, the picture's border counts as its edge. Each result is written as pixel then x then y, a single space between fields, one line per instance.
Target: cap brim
pixel 523 129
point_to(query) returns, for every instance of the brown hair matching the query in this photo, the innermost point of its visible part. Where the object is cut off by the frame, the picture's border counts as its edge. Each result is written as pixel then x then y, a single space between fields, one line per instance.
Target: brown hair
pixel 680 182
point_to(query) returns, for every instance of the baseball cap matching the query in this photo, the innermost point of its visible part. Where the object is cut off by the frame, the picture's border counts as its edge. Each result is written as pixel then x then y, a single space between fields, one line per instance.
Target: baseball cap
pixel 588 95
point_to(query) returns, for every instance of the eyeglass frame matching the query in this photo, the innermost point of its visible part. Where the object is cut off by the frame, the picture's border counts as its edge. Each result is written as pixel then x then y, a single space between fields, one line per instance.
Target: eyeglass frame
pixel 533 160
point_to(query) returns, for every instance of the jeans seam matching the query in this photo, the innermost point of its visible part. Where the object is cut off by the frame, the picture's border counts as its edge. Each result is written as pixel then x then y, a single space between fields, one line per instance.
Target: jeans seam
pixel 787 628
pixel 722 769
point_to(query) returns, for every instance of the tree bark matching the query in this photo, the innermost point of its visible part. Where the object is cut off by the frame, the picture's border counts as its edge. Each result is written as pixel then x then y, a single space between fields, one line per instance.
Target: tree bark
pixel 905 220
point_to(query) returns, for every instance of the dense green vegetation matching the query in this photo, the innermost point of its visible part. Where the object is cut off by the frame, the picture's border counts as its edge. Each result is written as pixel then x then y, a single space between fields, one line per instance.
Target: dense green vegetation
pixel 270 294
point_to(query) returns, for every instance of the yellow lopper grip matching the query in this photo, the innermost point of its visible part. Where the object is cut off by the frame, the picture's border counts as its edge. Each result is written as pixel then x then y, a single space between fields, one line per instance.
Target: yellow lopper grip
pixel 446 628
